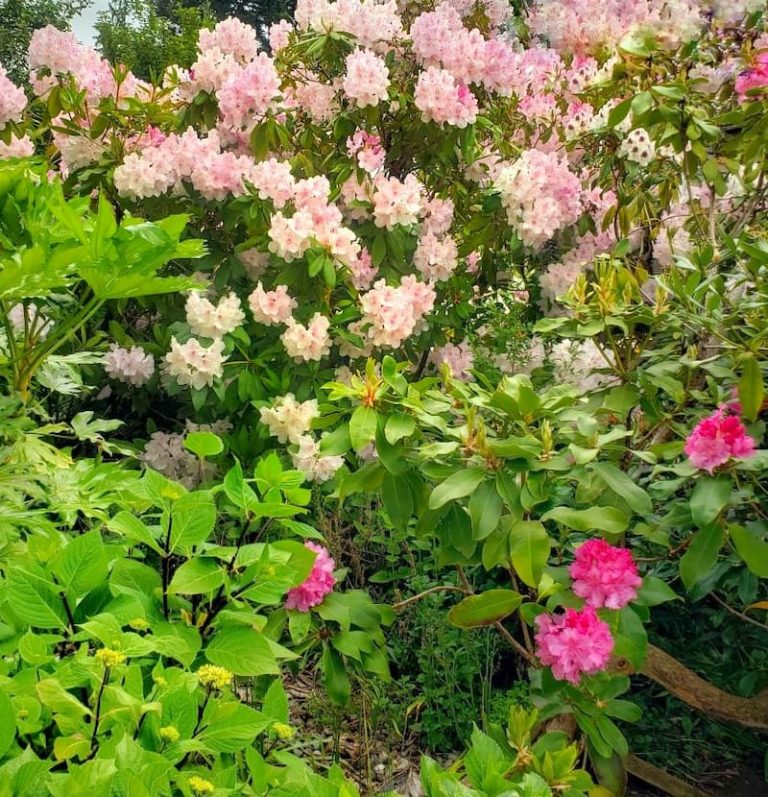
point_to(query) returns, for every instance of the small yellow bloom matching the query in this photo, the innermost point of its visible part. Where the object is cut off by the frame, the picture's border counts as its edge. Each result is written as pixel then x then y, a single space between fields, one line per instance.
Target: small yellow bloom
pixel 201 785
pixel 213 676
pixel 159 680
pixel 170 733
pixel 139 624
pixel 283 731
pixel 109 658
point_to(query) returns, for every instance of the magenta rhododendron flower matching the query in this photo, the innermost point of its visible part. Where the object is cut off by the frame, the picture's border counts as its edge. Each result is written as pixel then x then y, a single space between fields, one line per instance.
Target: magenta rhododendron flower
pixel 318 584
pixel 717 439
pixel 573 644
pixel 604 575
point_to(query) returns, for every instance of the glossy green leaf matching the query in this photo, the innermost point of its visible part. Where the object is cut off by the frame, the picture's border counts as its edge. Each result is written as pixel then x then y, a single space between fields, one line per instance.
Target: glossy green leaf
pixel 486 608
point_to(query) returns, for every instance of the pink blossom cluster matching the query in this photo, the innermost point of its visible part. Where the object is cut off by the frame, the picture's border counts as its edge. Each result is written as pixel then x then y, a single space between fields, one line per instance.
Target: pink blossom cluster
pixel 541 195
pixel 438 216
pixel 756 77
pixel 232 37
pixel 367 150
pixel 130 365
pixel 366 80
pixel 459 359
pixel 717 439
pixel 604 575
pixel 210 320
pixel 316 98
pixel 555 282
pixel 392 314
pixel 318 583
pixel 362 270
pixel 13 101
pixel 249 92
pixel 315 467
pixel 573 644
pixel 195 365
pixel 436 258
pixel 17 148
pixel 289 419
pixel 307 343
pixel 444 101
pixel 397 201
pixel 279 35
pixel 272 307
pixel 374 24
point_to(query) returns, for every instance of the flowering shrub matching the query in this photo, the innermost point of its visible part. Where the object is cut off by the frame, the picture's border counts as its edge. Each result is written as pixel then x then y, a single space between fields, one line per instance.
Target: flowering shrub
pixel 492 281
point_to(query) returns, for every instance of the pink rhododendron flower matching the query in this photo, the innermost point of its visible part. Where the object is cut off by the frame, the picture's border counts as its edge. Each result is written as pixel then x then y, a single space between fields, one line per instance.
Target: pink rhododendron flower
pixel 754 78
pixel 249 92
pixel 279 33
pixel 444 101
pixel 716 439
pixel 13 101
pixel 17 148
pixel 367 78
pixel 368 151
pixel 311 342
pixel 314 466
pixel 212 321
pixel 288 419
pixel 232 37
pixel 132 366
pixel 318 584
pixel 272 307
pixel 436 258
pixel 459 359
pixel 573 644
pixel 363 271
pixel 604 575
pixel 396 202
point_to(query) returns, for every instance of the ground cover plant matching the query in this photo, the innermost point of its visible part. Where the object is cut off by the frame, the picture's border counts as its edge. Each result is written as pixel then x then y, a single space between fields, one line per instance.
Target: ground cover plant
pixel 421 353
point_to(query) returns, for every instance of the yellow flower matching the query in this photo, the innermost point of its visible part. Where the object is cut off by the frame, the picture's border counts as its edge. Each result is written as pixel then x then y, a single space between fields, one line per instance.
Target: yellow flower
pixel 201 785
pixel 139 624
pixel 159 680
pixel 283 731
pixel 213 676
pixel 109 658
pixel 170 733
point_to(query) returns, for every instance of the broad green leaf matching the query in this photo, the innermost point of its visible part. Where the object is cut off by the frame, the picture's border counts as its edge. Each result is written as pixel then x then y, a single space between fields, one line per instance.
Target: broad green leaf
pixel 35 599
pixel 362 427
pixel 751 390
pixel 204 444
pixel 192 519
pixel 398 500
pixel 621 484
pixel 7 723
pixel 603 518
pixel 197 576
pixel 709 498
pixel 485 506
pixel 243 651
pixel 529 548
pixel 131 527
pixel 457 485
pixel 231 726
pixel 486 608
pixel 81 565
pixel 701 555
pixel 654 591
pixel 752 549
pixel 398 426
pixel 335 678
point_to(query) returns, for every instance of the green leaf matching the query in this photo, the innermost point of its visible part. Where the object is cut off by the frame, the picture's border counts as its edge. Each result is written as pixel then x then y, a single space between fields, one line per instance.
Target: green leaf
pixel 398 426
pixel 701 555
pixel 243 651
pixel 529 548
pixel 603 518
pixel 82 565
pixel 204 444
pixel 362 427
pixel 7 723
pixel 637 499
pixel 618 114
pixel 335 679
pixel 129 526
pixel 751 390
pixel 231 726
pixel 34 599
pixel 751 549
pixel 654 591
pixel 485 506
pixel 193 517
pixel 709 498
pixel 198 576
pixel 398 500
pixel 457 485
pixel 485 609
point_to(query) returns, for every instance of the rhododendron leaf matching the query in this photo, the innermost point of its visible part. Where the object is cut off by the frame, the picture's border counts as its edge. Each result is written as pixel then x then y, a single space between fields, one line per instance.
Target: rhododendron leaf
pixel 603 518
pixel 336 680
pixel 623 486
pixel 243 651
pixel 654 591
pixel 484 609
pixel 710 496
pixel 485 506
pixel 751 548
pixel 618 114
pixel 362 427
pixel 398 500
pixel 398 426
pixel 751 390
pixel 457 485
pixel 529 547
pixel 701 555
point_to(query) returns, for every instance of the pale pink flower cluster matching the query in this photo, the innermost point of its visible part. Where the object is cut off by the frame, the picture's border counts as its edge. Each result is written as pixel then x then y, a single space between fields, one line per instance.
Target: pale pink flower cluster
pixel 132 366
pixel 279 35
pixel 367 149
pixel 13 101
pixel 254 262
pixel 363 271
pixel 249 92
pixel 373 23
pixel 318 584
pixel 436 258
pixel 397 202
pixel 573 644
pixel 604 575
pixel 76 150
pixel 318 99
pixel 366 80
pixel 210 320
pixel 541 195
pixel 444 101
pixel 272 307
pixel 273 180
pixel 717 439
pixel 166 454
pixel 392 314
pixel 310 342
pixel 289 419
pixel 17 148
pixel 459 359
pixel 232 37
pixel 538 106
pixel 555 282
pixel 438 216
pixel 576 362
pixel 316 467
pixel 193 364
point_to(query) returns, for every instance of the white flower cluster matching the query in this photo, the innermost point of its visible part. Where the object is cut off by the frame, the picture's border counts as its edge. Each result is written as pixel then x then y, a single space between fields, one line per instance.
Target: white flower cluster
pixel 212 321
pixel 192 364
pixel 638 147
pixel 309 461
pixel 288 419
pixel 132 366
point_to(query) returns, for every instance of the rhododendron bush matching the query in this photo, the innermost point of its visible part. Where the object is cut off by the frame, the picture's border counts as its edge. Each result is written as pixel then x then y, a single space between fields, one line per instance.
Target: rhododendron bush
pixel 499 274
